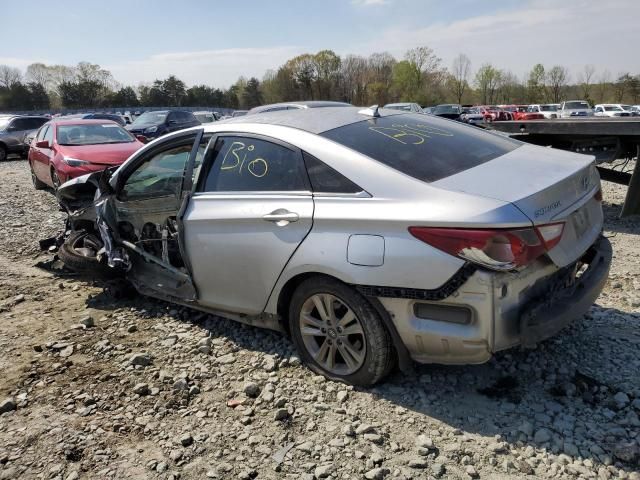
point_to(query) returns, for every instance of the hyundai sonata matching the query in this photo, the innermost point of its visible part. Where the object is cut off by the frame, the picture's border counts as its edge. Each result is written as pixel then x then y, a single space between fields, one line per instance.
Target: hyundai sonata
pixel 369 236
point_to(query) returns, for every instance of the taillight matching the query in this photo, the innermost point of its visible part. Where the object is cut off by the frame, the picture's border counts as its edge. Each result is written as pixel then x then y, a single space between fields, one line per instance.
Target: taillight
pixel 498 249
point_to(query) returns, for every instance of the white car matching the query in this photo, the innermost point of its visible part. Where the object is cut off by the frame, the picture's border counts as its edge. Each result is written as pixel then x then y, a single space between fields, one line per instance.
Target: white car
pixel 610 110
pixel 575 108
pixel 549 110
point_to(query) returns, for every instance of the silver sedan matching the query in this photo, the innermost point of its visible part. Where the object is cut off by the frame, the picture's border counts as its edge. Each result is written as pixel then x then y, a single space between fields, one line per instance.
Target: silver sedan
pixel 371 237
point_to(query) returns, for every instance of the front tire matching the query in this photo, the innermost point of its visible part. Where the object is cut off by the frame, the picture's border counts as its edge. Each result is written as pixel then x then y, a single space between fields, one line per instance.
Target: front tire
pixel 79 252
pixel 338 333
pixel 3 153
pixel 55 179
pixel 37 183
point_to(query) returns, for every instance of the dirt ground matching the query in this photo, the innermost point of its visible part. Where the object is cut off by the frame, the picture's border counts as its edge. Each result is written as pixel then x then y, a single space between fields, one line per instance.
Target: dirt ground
pixel 100 383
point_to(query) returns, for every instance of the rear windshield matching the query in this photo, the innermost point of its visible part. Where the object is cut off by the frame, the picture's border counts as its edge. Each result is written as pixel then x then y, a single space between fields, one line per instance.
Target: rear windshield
pixel 576 105
pixel 428 149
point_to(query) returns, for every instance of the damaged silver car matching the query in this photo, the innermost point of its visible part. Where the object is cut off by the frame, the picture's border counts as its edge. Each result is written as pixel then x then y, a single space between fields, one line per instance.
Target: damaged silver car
pixel 372 237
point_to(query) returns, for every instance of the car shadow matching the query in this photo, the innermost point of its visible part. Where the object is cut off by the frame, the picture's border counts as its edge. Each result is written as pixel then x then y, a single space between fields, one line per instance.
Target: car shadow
pixel 613 222
pixel 552 396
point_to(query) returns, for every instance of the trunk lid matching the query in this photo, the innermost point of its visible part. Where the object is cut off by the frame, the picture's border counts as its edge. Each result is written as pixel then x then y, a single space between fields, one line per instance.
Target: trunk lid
pixel 548 186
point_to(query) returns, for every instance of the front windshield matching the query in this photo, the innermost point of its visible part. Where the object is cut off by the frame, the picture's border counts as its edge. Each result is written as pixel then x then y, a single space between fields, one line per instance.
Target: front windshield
pixel 576 106
pixel 204 117
pixel 239 113
pixel 150 117
pixel 447 109
pixel 549 108
pixel 93 134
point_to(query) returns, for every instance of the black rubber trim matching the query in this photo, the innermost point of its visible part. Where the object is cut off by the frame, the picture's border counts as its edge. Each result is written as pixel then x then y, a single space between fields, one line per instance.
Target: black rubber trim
pixel 440 293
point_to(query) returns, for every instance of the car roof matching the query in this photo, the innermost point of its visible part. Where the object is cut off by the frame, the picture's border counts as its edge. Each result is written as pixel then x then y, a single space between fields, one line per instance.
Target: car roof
pixel 81 121
pixel 301 104
pixel 313 120
pixel 2 115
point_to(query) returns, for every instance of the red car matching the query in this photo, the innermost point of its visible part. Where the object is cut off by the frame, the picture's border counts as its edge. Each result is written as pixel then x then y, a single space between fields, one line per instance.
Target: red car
pixel 492 113
pixel 519 112
pixel 65 149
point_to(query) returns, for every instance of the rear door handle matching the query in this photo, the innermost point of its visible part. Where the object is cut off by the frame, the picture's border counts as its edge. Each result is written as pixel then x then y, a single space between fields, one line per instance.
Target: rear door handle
pixel 281 217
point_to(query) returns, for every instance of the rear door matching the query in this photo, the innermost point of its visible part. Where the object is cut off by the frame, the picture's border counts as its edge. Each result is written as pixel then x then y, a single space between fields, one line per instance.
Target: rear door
pixel 251 209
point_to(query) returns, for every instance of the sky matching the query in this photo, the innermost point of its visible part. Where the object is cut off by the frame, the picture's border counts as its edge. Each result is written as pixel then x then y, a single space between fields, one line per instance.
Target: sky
pixel 214 42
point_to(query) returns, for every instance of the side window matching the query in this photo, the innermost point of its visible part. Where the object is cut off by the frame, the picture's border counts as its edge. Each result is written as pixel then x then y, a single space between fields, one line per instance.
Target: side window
pixel 325 179
pixel 158 176
pixel 18 125
pixel 238 164
pixel 41 132
pixel 48 135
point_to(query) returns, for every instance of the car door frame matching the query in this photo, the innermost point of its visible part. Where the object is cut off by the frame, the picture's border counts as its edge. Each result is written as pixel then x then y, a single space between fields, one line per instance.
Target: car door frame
pixel 155 267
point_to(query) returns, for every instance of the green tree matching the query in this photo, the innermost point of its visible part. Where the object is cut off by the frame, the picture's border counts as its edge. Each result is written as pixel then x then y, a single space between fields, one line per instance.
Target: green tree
pixel 406 81
pixel 125 97
pixel 536 90
pixel 39 98
pixel 487 79
pixel 174 91
pixel 251 95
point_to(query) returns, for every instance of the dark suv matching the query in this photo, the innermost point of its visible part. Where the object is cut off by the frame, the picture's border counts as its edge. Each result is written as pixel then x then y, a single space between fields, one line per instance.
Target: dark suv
pixel 14 129
pixel 157 123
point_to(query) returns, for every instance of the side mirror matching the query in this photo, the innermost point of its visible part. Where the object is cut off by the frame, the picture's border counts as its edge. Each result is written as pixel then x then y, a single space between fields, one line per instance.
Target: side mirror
pixel 43 144
pixel 142 138
pixel 172 122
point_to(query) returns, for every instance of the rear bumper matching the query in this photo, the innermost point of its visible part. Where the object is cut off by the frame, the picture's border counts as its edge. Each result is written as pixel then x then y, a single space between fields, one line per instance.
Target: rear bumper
pixel 504 310
pixel 566 298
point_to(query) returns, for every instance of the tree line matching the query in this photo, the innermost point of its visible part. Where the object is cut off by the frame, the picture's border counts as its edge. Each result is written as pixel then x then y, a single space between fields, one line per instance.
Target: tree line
pixel 420 76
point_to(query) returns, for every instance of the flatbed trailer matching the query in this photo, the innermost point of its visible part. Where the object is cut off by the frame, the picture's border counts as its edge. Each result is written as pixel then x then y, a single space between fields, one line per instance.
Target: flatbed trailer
pixel 607 139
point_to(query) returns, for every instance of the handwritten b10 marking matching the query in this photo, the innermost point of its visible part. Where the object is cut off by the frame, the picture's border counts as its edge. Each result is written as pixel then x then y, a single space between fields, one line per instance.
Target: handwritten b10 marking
pixel 236 157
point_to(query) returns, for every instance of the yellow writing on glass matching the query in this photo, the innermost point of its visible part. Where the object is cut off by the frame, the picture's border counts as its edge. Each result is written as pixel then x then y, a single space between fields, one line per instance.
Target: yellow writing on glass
pixel 236 157
pixel 414 134
pixel 399 135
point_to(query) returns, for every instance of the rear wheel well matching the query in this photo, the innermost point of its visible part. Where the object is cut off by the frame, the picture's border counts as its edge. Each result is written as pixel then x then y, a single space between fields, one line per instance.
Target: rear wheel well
pixel 284 300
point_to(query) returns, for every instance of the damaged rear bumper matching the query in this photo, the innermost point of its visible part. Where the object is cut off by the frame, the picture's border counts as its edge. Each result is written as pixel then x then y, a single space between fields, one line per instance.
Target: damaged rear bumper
pixel 567 298
pixel 495 311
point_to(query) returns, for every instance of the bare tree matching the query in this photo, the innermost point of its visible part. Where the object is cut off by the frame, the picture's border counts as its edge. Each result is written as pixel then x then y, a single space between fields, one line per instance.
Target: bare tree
pixel 9 76
pixel 557 79
pixel 603 84
pixel 584 79
pixel 460 71
pixel 424 59
pixel 39 73
pixel 353 72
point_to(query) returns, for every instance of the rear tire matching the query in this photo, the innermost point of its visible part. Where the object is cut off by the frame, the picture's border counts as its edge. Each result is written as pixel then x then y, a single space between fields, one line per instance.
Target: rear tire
pixel 79 253
pixel 329 319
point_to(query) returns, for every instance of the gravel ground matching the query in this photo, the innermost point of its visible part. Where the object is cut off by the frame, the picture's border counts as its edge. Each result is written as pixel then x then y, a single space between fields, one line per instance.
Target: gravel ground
pixel 95 386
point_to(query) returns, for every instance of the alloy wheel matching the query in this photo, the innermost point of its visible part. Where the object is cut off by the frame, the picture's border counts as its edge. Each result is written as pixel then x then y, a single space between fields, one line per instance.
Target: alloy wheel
pixel 332 334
